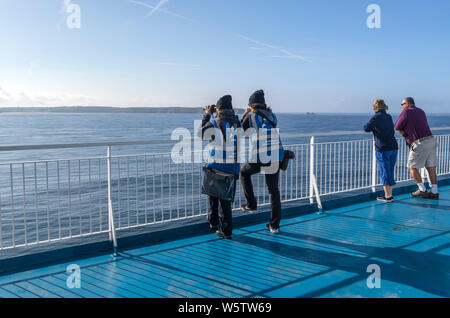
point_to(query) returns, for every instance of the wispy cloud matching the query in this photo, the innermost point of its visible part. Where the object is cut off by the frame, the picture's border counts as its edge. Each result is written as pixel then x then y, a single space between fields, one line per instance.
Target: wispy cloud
pixel 42 98
pixel 158 6
pixel 284 53
pixel 159 9
pixel 22 98
pixel 258 42
pixel 290 55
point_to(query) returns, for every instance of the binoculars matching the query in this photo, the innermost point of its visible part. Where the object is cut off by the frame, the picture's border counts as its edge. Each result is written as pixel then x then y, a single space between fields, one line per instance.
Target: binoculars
pixel 212 108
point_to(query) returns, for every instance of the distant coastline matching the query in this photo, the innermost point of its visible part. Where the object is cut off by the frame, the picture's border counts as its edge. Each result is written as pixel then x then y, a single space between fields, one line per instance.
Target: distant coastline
pixel 156 110
pixel 105 109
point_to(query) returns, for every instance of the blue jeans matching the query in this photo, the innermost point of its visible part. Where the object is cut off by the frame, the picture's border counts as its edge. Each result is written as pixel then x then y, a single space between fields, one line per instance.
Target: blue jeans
pixel 386 163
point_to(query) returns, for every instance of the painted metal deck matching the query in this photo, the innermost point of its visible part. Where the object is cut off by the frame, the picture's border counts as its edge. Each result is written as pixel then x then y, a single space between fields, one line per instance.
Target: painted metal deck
pixel 314 256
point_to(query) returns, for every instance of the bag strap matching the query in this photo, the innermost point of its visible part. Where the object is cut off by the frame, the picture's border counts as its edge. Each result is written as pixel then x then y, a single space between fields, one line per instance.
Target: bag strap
pixel 266 118
pixel 254 123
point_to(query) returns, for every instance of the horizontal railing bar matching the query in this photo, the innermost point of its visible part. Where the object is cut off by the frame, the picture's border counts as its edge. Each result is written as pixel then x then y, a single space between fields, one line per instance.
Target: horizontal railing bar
pixel 50 160
pixel 335 142
pixel 153 154
pixel 341 142
pixel 54 240
pixel 167 141
pixel 86 145
pixel 344 132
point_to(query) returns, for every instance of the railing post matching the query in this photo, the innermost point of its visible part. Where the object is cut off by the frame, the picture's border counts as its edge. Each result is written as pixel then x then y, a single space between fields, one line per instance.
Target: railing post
pixel 374 167
pixel 112 228
pixel 311 171
pixel 317 194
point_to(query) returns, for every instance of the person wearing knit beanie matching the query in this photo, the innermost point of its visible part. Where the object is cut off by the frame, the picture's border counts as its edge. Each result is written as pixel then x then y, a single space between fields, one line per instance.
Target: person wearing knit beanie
pixel 258 112
pixel 225 119
pixel 224 102
pixel 257 98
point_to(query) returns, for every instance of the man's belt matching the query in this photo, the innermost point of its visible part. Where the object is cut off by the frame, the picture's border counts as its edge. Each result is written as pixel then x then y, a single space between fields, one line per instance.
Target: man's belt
pixel 421 139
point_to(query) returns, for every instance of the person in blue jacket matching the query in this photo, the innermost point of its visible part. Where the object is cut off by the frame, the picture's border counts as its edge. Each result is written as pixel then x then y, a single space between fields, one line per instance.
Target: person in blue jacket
pixel 265 154
pixel 223 157
pixel 386 147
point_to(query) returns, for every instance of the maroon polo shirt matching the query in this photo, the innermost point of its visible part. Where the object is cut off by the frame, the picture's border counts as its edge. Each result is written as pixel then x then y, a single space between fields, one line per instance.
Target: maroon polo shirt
pixel 414 122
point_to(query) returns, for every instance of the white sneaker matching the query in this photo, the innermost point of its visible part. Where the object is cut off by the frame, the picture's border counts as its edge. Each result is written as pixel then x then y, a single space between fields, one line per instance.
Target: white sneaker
pixel 272 230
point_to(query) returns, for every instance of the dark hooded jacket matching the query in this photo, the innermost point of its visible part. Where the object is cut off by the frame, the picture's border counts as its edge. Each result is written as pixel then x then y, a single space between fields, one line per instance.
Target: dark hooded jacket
pixel 227 115
pixel 262 110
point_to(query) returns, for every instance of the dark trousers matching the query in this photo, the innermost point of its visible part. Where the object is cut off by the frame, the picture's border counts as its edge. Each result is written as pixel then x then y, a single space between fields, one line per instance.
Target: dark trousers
pixel 272 184
pixel 220 210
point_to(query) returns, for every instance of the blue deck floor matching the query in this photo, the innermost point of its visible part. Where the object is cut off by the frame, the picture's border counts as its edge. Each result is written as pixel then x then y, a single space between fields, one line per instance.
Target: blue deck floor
pixel 314 256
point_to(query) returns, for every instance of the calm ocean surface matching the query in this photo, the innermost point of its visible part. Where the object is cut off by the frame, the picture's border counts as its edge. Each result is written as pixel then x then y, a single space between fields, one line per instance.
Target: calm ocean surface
pixel 34 129
pixel 58 199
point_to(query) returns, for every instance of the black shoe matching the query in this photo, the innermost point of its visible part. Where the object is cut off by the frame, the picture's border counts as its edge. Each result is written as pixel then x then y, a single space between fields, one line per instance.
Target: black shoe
pixel 222 235
pixel 212 227
pixel 246 207
pixel 384 199
pixel 433 196
pixel 208 219
pixel 272 229
pixel 420 194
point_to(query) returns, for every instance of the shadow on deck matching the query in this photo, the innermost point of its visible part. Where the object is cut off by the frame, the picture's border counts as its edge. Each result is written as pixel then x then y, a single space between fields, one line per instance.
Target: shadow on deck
pixel 315 255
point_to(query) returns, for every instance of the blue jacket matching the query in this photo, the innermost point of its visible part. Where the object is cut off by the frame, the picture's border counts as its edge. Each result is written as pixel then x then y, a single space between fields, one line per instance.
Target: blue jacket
pixel 216 146
pixel 221 152
pixel 382 127
pixel 258 119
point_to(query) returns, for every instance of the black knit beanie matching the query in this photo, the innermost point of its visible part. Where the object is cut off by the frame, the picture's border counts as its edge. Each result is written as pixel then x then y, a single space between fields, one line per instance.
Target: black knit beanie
pixel 257 98
pixel 224 102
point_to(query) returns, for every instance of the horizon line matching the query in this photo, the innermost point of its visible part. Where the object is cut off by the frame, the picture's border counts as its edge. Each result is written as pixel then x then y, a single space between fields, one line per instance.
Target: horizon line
pixel 198 107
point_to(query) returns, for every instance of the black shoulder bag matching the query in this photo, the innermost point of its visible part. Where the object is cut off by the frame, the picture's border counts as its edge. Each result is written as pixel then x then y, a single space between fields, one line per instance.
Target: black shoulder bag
pixel 218 184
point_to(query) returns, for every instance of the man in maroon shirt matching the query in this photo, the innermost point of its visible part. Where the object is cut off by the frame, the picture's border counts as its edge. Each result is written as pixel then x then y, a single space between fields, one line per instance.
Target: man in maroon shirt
pixel 413 125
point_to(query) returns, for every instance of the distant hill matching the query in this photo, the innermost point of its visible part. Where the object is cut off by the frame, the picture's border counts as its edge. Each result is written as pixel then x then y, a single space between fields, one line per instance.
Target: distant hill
pixel 104 109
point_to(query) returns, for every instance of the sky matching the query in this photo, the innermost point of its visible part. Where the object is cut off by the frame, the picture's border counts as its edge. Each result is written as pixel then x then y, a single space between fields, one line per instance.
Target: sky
pixel 307 55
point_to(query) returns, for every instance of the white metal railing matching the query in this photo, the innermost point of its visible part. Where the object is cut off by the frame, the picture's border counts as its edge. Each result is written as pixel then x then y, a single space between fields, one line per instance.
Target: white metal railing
pixel 51 200
pixel 351 165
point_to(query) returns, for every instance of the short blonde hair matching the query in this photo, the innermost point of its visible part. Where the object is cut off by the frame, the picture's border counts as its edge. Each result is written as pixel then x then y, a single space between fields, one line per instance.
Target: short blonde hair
pixel 379 104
